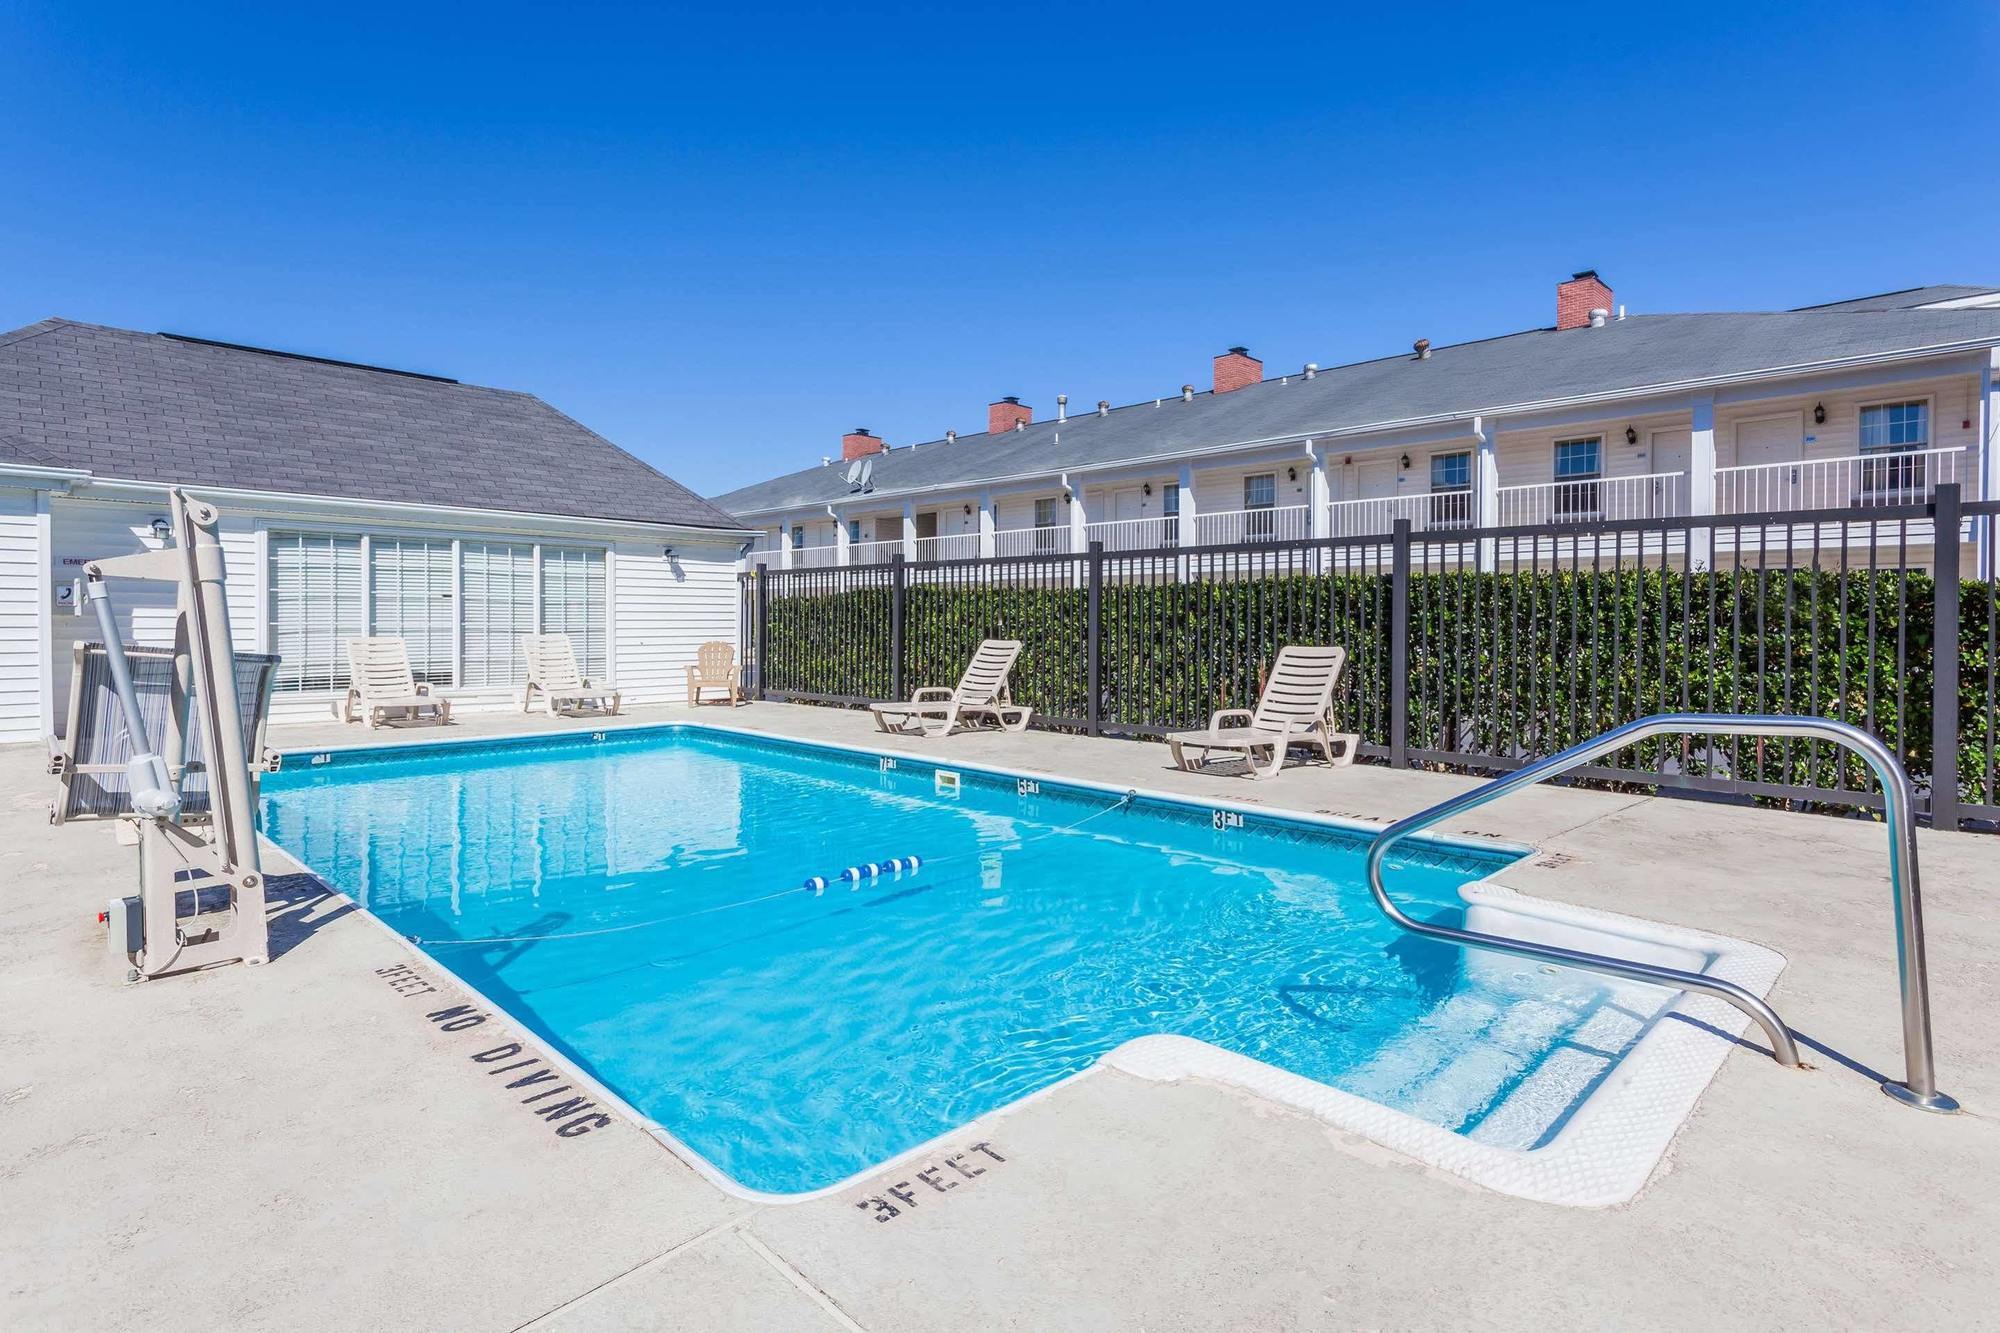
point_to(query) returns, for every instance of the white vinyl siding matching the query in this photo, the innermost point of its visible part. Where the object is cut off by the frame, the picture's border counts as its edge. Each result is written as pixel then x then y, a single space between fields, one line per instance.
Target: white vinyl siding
pixel 21 590
pixel 319 599
pixel 573 603
pixel 499 609
pixel 411 585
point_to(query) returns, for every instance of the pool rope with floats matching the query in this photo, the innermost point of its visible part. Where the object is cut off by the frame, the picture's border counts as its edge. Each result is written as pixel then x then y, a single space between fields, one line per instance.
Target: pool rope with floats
pixel 854 876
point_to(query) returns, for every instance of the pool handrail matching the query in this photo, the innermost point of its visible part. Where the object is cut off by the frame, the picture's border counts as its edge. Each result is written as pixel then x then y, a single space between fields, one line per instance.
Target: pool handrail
pixel 1919 1086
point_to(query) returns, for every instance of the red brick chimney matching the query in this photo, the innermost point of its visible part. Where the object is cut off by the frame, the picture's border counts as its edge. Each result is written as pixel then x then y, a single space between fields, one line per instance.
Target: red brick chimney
pixel 1004 414
pixel 858 443
pixel 1237 369
pixel 1579 296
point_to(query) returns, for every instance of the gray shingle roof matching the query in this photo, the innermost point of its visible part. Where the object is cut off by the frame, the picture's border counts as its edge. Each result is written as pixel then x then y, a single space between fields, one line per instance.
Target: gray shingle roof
pixel 147 407
pixel 1538 366
pixel 1908 299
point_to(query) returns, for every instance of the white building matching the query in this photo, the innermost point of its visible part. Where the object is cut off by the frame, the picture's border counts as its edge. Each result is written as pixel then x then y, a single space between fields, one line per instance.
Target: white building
pixel 355 500
pixel 1599 417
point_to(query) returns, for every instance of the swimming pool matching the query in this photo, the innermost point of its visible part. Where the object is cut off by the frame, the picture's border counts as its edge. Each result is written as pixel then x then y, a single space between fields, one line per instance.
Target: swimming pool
pixel 634 899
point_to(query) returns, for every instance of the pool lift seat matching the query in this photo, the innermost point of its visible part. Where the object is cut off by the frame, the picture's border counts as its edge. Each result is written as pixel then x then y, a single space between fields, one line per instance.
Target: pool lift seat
pixel 180 862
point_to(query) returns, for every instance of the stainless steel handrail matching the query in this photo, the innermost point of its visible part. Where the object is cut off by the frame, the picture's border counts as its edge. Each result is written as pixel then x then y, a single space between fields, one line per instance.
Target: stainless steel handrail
pixel 1919 1087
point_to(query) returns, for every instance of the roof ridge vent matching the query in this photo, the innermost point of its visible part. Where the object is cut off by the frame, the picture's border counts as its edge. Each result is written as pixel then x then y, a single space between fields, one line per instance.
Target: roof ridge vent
pixel 1187 393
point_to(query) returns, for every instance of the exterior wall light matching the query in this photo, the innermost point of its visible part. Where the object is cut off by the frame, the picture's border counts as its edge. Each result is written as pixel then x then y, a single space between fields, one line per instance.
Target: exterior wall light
pixel 1406 462
pixel 161 529
pixel 1819 414
pixel 1631 435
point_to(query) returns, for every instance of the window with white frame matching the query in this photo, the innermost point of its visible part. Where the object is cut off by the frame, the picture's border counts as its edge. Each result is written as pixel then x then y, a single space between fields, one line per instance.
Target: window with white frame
pixel 1260 496
pixel 1896 427
pixel 411 586
pixel 1170 514
pixel 573 603
pixel 1579 464
pixel 462 619
pixel 1046 537
pixel 1451 490
pixel 499 580
pixel 318 599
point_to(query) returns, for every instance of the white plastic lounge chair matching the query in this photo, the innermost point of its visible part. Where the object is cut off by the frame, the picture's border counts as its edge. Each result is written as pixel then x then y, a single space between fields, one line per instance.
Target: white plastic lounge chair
pixel 89 759
pixel 714 668
pixel 981 692
pixel 383 684
pixel 552 669
pixel 1295 708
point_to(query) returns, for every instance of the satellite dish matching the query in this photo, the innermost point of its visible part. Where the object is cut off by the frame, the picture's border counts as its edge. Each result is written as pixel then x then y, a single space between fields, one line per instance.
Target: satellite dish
pixel 854 473
pixel 867 474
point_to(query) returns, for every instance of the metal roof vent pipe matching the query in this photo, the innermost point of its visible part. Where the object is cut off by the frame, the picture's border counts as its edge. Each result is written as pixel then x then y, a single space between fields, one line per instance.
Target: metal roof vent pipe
pixel 1062 407
pixel 951 437
pixel 1187 393
pixel 1422 347
pixel 1104 407
pixel 1312 369
pixel 1597 317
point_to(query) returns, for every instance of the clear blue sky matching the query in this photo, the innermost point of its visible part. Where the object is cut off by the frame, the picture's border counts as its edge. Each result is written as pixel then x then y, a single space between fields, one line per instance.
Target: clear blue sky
pixel 723 238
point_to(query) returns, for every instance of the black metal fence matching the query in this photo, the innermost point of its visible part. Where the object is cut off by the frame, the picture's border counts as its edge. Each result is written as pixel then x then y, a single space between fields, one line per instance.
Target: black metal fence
pixel 1473 649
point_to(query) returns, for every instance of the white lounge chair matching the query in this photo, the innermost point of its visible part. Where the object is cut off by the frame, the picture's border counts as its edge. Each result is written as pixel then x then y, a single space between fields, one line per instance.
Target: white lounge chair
pixel 1295 708
pixel 981 692
pixel 383 684
pixel 714 668
pixel 565 689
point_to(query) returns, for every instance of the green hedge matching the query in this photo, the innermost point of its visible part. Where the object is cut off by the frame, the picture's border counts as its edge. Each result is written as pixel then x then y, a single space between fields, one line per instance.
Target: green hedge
pixel 1509 665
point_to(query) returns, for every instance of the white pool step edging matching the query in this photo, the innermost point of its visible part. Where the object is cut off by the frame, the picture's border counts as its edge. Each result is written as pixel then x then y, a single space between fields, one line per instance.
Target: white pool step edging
pixel 1608 1150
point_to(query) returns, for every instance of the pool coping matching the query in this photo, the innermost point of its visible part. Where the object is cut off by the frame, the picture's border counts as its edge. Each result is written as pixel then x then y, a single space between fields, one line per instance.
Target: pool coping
pixel 1604 1155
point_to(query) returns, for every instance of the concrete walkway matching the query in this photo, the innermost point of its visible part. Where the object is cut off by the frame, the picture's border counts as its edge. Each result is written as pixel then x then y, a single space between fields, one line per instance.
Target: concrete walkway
pixel 301 1145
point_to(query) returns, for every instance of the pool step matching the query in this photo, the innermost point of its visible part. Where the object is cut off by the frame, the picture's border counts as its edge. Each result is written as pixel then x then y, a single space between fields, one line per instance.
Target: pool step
pixel 1452 1063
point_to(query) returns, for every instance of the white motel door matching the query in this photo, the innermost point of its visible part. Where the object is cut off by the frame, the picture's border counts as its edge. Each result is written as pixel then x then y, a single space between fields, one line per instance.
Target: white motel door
pixel 1668 453
pixel 1761 445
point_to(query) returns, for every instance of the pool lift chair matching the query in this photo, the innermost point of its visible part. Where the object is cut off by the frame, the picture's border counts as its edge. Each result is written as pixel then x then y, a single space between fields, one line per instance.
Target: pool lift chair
pixel 182 863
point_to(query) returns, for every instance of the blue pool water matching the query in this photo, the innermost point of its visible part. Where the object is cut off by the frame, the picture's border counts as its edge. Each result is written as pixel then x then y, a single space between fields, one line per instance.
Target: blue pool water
pixel 795 1039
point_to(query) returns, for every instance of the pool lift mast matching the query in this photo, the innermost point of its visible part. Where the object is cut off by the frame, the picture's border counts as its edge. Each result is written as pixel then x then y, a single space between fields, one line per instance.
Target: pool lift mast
pixel 148 932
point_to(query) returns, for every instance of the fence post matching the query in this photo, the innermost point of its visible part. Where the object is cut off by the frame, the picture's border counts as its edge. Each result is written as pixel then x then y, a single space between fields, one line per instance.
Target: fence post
pixel 1945 524
pixel 1399 645
pixel 760 621
pixel 1093 605
pixel 897 574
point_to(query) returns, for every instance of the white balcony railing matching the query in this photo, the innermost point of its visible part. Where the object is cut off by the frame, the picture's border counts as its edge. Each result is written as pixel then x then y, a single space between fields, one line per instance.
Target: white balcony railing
pixel 1858 481
pixel 1285 524
pixel 1600 499
pixel 1135 534
pixel 874 553
pixel 1032 541
pixel 1429 511
pixel 956 546
pixel 815 557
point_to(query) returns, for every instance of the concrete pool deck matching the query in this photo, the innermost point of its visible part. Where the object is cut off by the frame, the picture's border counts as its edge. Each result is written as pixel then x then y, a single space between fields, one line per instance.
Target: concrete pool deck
pixel 301 1143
